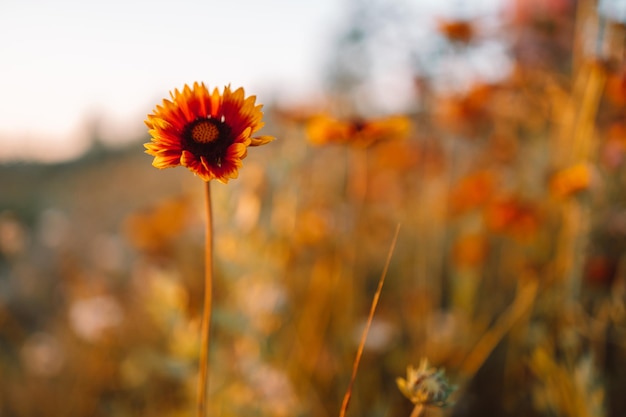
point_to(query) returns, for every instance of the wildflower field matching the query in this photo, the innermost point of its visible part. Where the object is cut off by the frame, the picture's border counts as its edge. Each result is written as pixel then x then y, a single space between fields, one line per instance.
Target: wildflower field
pixel 465 256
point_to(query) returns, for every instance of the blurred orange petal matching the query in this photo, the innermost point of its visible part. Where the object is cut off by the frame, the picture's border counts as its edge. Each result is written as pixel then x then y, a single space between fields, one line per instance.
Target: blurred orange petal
pixel 456 30
pixel 571 180
pixel 153 229
pixel 324 129
pixel 513 217
pixel 470 250
pixel 472 191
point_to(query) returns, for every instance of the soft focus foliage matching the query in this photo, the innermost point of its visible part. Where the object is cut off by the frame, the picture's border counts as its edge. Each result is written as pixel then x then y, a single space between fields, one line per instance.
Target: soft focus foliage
pixel 505 167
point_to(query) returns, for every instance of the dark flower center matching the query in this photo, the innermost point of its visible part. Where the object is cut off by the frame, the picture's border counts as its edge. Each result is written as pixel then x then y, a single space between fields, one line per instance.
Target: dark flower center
pixel 207 137
pixel 358 125
pixel 204 131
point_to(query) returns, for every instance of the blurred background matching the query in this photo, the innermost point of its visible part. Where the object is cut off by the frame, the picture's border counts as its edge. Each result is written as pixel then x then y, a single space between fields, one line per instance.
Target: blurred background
pixel 493 132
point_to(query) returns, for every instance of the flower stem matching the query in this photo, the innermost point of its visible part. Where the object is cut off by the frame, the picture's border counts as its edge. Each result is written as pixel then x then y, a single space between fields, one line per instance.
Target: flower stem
pixel 417 411
pixel 203 383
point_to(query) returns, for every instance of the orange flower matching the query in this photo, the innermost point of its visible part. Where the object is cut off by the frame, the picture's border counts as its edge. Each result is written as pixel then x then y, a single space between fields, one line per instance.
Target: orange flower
pixel 206 132
pixel 456 30
pixel 472 191
pixel 470 250
pixel 153 229
pixel 466 113
pixel 513 217
pixel 323 129
pixel 616 87
pixel 571 180
pixel 396 155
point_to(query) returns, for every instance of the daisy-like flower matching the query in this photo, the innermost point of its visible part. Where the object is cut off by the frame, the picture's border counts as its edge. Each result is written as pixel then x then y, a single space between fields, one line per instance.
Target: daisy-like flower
pixel 209 133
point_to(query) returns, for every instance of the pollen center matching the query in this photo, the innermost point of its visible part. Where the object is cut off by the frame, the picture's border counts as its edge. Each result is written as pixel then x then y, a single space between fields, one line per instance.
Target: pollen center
pixel 204 131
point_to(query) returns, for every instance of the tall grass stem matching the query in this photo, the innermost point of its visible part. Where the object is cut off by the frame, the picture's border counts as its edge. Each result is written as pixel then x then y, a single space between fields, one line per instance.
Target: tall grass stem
pixel 359 353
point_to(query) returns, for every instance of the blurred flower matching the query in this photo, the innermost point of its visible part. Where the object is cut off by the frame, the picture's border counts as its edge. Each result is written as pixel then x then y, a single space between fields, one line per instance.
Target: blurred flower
pixel 614 146
pixel 472 191
pixel 272 387
pixel 260 301
pixel 323 129
pixel 314 224
pixel 153 229
pixel 206 132
pixel 456 30
pixel 426 385
pixel 184 341
pixel 571 180
pixel 503 147
pixel 90 318
pixel 466 113
pixel 512 216
pixel 166 296
pixel 616 87
pixel 248 210
pixel 13 236
pixel 380 335
pixel 470 250
pixel 43 354
pixel 600 270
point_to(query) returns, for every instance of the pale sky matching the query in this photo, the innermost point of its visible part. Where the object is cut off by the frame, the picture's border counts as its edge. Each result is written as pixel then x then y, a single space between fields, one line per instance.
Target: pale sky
pixel 65 62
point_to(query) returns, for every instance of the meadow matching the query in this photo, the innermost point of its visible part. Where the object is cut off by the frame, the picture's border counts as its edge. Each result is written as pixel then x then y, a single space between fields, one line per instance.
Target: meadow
pixel 507 272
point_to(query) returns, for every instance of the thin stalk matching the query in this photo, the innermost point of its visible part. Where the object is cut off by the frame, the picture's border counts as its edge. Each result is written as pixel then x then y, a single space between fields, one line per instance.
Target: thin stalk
pixel 203 383
pixel 370 318
pixel 417 411
pixel 526 295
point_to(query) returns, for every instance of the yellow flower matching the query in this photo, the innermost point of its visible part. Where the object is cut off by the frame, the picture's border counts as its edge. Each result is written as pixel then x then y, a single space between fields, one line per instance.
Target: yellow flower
pixel 324 129
pixel 209 133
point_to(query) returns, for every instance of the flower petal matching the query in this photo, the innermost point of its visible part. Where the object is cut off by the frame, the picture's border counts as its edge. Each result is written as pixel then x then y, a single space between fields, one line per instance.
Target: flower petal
pixel 236 116
pixel 261 140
